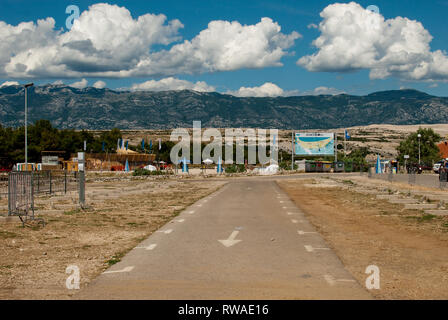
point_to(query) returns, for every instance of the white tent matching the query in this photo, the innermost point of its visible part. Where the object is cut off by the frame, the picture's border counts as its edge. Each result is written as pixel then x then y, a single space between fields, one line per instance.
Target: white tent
pixel 272 169
pixel 150 168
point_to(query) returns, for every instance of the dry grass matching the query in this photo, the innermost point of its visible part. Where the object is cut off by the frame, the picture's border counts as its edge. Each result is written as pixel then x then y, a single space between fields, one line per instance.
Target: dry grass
pixel 410 248
pixel 33 260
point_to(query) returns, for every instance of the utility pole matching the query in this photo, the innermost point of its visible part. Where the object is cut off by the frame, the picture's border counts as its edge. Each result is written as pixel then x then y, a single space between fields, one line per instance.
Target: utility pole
pixel 345 143
pixel 26 124
pixel 419 137
pixel 292 151
pixel 336 147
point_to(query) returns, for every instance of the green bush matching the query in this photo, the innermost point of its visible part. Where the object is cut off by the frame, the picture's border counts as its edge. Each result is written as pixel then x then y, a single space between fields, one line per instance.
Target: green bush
pixel 236 168
pixel 144 172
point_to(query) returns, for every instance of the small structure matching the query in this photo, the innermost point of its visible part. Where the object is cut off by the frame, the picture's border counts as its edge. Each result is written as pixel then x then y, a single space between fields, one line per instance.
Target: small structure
pixel 116 161
pixel 52 160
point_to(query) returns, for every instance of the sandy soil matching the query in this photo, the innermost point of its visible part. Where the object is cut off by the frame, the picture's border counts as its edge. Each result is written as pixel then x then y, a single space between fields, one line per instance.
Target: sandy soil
pixel 410 249
pixel 33 261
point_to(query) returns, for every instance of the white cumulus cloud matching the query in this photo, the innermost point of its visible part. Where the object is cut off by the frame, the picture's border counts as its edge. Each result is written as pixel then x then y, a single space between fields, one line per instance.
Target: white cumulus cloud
pixel 353 38
pixel 9 83
pixel 171 83
pixel 268 89
pixel 225 46
pixel 323 91
pixel 79 84
pixel 106 41
pixel 99 84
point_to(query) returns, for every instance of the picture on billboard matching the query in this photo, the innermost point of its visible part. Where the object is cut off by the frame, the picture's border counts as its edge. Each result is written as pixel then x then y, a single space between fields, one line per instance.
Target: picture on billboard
pixel 314 144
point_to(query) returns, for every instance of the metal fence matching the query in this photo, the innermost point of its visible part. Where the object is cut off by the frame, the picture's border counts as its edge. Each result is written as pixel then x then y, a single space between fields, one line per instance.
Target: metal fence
pixel 50 182
pixel 21 197
pixel 24 186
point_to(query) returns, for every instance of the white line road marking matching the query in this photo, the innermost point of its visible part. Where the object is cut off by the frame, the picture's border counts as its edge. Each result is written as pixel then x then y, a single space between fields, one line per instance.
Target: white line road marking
pixel 312 249
pixel 291 213
pixel 231 240
pixel 180 220
pixel 199 205
pixel 294 221
pixel 303 232
pixel 332 281
pixel 150 247
pixel 166 231
pixel 190 212
pixel 127 269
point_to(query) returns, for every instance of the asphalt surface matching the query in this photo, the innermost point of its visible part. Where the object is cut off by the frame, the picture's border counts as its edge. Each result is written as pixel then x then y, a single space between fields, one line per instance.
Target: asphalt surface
pixel 246 241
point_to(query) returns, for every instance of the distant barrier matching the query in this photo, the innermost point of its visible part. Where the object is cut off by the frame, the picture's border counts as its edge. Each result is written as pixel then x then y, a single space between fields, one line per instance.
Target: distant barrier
pixel 23 186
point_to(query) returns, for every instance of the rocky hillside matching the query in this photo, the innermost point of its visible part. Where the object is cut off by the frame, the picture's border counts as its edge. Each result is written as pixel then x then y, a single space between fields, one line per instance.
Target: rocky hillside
pixel 92 108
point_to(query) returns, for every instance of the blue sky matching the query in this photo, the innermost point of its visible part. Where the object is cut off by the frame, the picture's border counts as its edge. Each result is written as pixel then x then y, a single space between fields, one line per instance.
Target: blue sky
pixel 291 16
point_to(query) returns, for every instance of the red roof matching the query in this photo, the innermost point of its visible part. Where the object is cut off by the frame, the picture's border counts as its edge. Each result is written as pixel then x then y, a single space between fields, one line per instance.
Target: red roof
pixel 443 147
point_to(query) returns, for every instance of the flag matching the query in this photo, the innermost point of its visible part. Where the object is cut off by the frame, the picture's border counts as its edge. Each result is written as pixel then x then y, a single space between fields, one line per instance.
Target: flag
pixel 218 168
pixel 378 168
pixel 160 143
pixel 103 147
pixel 126 168
pixel 150 144
pixel 118 144
pixel 347 136
pixel 184 165
pixel 143 144
pixel 85 145
pixel 127 144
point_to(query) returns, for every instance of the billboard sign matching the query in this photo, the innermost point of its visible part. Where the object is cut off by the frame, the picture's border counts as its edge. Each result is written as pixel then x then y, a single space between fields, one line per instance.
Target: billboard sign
pixel 314 144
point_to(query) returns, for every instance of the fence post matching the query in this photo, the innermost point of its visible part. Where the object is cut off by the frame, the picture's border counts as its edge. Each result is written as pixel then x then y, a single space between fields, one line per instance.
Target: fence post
pixel 50 182
pixel 82 189
pixel 9 194
pixel 32 193
pixel 65 181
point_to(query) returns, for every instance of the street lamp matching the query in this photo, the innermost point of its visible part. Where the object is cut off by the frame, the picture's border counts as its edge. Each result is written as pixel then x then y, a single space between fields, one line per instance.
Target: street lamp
pixel 419 137
pixel 26 124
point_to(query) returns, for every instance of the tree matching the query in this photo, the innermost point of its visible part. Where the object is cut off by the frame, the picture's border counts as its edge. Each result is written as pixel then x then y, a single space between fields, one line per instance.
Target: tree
pixel 357 156
pixel 429 152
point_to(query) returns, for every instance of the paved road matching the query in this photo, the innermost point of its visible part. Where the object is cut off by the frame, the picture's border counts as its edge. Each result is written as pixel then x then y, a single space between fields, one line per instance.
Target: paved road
pixel 265 252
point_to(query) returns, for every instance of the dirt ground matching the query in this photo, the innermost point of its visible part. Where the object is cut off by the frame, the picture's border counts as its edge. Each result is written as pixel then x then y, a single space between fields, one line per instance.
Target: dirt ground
pixel 410 248
pixel 33 261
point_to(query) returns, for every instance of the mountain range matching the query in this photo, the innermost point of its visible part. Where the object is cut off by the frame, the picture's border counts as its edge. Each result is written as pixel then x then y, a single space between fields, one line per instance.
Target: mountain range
pixel 96 109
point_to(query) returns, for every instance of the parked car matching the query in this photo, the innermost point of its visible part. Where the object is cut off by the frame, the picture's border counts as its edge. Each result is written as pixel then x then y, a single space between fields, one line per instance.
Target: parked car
pixel 437 166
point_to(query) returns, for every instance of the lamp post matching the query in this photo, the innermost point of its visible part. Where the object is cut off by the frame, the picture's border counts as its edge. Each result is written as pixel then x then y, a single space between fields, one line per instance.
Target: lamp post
pixel 419 137
pixel 26 124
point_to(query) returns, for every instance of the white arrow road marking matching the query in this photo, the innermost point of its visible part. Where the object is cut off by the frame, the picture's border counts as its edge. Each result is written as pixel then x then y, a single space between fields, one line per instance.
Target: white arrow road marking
pixel 231 240
pixel 166 231
pixel 332 281
pixel 311 248
pixel 303 232
pixel 150 247
pixel 127 269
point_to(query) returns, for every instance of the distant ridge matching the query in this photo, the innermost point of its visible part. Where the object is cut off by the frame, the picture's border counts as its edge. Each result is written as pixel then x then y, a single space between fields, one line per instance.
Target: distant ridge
pixel 92 108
